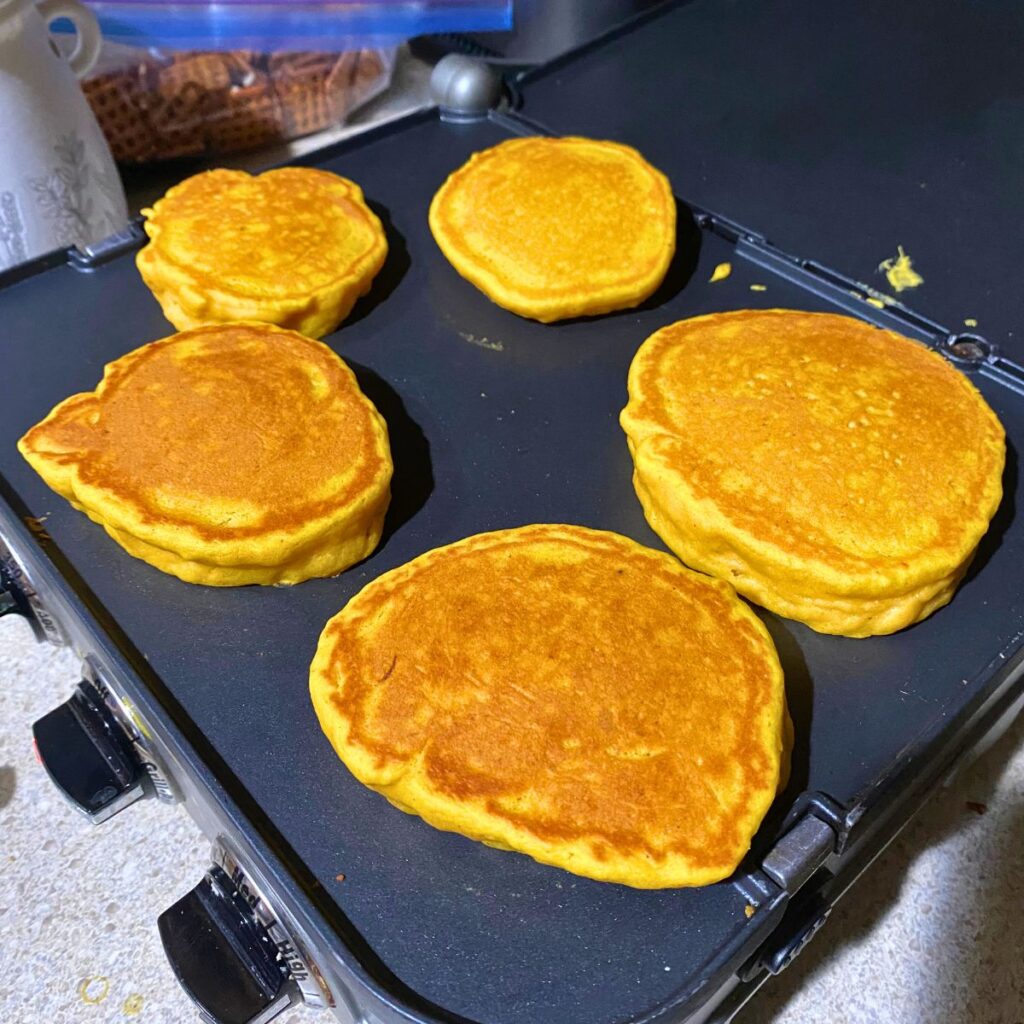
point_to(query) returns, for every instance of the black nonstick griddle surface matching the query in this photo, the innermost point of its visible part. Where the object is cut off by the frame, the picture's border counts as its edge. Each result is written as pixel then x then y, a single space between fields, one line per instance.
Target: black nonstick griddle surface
pixel 839 130
pixel 495 421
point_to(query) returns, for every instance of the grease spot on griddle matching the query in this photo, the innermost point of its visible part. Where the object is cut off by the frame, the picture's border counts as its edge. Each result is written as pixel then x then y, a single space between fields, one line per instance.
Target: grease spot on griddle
pixel 482 342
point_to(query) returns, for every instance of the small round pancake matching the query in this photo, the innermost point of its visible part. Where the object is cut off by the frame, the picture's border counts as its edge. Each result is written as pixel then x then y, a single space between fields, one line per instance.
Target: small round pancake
pixel 566 693
pixel 558 228
pixel 240 453
pixel 295 247
pixel 834 472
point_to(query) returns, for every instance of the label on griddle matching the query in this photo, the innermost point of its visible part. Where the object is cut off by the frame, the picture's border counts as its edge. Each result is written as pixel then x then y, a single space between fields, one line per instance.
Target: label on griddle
pixel 136 733
pixel 303 972
pixel 161 785
pixel 14 575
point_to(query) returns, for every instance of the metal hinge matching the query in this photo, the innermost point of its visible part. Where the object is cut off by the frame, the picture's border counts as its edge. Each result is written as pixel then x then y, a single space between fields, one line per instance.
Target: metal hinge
pixel 799 853
pixel 797 858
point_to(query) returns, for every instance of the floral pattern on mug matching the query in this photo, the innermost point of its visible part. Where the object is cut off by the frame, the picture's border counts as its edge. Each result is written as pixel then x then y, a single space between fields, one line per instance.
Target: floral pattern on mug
pixel 63 195
pixel 12 231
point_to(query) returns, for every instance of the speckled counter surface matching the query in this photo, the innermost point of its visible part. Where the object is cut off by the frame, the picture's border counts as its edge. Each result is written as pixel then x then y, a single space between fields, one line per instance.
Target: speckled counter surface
pixel 933 934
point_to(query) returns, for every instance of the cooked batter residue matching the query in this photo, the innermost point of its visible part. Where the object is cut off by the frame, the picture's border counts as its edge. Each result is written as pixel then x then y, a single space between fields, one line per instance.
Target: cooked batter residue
pixel 900 272
pixel 132 1006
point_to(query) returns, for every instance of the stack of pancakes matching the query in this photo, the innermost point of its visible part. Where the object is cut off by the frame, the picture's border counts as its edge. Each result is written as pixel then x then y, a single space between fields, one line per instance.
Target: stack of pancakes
pixel 294 247
pixel 558 228
pixel 225 455
pixel 566 693
pixel 834 472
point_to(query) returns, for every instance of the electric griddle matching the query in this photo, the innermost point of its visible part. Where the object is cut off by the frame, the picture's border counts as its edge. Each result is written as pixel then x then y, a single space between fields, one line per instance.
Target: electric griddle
pixel 319 890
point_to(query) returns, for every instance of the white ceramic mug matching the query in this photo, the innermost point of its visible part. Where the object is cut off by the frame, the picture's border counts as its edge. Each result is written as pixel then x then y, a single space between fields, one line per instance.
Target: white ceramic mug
pixel 58 182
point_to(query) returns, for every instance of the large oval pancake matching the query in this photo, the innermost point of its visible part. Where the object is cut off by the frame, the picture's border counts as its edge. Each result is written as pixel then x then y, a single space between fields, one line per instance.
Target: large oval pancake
pixel 240 453
pixel 832 471
pixel 562 692
pixel 295 246
pixel 556 228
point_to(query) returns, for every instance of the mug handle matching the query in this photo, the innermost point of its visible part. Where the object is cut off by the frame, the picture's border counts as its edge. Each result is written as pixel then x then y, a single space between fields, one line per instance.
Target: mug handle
pixel 87 31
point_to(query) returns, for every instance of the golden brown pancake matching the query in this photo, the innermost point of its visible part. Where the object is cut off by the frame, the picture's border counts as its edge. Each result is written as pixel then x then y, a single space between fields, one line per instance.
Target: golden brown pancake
pixel 240 453
pixel 831 471
pixel 558 228
pixel 562 692
pixel 295 247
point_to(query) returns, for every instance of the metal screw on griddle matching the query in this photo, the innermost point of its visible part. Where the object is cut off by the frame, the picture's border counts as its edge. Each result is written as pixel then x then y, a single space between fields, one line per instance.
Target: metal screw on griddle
pixel 969 348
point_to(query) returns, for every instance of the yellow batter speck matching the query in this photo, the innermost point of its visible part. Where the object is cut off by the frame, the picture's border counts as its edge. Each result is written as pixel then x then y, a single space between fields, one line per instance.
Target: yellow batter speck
pixel 877 303
pixel 132 1006
pixel 900 272
pixel 720 273
pixel 970 322
pixel 759 288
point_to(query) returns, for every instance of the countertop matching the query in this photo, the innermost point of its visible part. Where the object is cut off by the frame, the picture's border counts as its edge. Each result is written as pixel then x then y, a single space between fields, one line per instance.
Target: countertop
pixel 932 933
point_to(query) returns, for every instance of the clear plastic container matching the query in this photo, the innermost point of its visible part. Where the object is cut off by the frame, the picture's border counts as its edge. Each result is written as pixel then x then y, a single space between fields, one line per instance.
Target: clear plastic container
pixel 160 104
pixel 192 78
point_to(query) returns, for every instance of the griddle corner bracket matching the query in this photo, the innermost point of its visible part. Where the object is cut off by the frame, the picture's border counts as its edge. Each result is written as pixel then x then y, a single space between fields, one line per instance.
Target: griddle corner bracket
pixel 730 230
pixel 131 236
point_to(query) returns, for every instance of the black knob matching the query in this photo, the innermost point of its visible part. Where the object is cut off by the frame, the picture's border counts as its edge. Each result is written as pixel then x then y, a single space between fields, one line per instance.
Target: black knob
pixel 87 755
pixel 18 597
pixel 9 603
pixel 223 957
pixel 12 598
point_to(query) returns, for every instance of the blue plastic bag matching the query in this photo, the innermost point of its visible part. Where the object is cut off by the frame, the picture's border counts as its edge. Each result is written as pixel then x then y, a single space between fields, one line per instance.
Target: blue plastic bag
pixel 283 25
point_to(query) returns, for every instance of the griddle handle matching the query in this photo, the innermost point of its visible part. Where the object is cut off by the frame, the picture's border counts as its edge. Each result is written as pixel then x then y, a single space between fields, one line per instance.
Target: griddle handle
pixel 223 957
pixel 88 756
